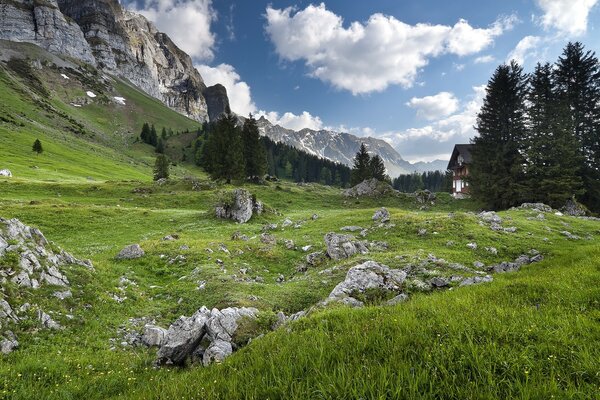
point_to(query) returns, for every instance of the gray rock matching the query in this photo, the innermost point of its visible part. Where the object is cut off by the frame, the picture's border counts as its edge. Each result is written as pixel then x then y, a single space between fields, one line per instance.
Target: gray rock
pixel 238 207
pixel 6 173
pixel 154 336
pixel 268 239
pixel 569 235
pixel 216 352
pixel 401 298
pixel 286 222
pixel 381 215
pixel 438 282
pixel 314 217
pixel 472 246
pixel 131 252
pixel 306 248
pixel 223 324
pixel 492 250
pixel 239 236
pixel 351 228
pixel 182 338
pixel 425 196
pixel 8 343
pixel 315 259
pixel 369 188
pixel 343 246
pixel 6 311
pixel 539 207
pixel 63 295
pixel 476 280
pixel 47 321
pixel 289 244
pixel 489 217
pixel 574 209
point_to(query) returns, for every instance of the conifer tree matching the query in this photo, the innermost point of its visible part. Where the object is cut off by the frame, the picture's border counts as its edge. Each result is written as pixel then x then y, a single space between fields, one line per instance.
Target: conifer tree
pixel 224 150
pixel 497 171
pixel 577 77
pixel 255 154
pixel 153 138
pixel 377 168
pixel 37 146
pixel 160 146
pixel 145 135
pixel 161 167
pixel 163 134
pixel 361 168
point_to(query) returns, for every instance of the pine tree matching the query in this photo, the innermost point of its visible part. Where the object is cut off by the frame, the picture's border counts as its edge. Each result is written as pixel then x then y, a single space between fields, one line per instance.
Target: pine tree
pixel 37 146
pixel 361 167
pixel 377 168
pixel 224 150
pixel 577 77
pixel 553 161
pixel 160 146
pixel 145 135
pixel 255 154
pixel 161 167
pixel 497 171
pixel 153 138
pixel 163 134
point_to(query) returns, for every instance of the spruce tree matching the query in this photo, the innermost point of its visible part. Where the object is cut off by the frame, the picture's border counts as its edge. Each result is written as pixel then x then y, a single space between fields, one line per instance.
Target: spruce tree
pixel 37 146
pixel 361 166
pixel 152 138
pixel 145 135
pixel 160 146
pixel 224 150
pixel 497 171
pixel 255 154
pixel 377 168
pixel 577 77
pixel 163 134
pixel 161 167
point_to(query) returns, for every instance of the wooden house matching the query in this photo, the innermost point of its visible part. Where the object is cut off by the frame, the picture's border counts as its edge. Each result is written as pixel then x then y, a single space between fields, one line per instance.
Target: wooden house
pixel 459 165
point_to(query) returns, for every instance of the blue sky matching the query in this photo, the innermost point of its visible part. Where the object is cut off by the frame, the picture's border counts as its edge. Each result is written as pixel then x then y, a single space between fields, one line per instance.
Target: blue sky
pixel 409 72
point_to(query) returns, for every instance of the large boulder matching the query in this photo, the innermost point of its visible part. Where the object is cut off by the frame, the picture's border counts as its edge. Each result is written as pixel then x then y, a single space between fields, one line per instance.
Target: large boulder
pixel 238 206
pixel 381 215
pixel 131 252
pixel 183 337
pixel 369 188
pixel 343 246
pixel 365 276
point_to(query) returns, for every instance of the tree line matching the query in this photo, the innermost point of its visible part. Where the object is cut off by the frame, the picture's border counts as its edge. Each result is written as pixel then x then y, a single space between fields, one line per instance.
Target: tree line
pixel 539 134
pixel 149 136
pixel 434 181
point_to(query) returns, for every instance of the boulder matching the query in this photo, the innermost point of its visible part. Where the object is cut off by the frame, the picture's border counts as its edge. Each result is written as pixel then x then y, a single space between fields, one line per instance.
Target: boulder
pixel 182 338
pixel 268 239
pixel 216 352
pixel 381 215
pixel 476 280
pixel 490 217
pixel 47 321
pixel 131 252
pixel 315 259
pixel 343 246
pixel 238 206
pixel 425 196
pixel 401 298
pixel 286 222
pixel 369 188
pixel 8 343
pixel 5 173
pixel 539 207
pixel 368 275
pixel 154 336
pixel 574 209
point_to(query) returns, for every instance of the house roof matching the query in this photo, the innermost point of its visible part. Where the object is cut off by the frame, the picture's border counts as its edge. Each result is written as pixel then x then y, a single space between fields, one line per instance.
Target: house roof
pixel 460 149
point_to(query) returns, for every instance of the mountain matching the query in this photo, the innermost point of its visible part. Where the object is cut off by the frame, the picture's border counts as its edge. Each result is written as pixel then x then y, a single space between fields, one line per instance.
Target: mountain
pixel 342 147
pixel 116 41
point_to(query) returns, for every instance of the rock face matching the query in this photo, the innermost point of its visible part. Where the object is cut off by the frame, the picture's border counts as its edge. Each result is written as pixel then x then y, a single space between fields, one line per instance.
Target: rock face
pixel 369 275
pixel 187 335
pixel 131 252
pixel 572 208
pixel 369 188
pixel 343 246
pixel 116 41
pixel 238 206
pixel 35 262
pixel 216 101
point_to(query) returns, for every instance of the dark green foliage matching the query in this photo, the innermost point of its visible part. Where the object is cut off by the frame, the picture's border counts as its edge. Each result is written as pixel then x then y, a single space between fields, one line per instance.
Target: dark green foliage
pixel 497 177
pixel 255 154
pixel 223 151
pixel 161 167
pixel 361 169
pixel 160 146
pixel 163 133
pixel 37 146
pixel 434 181
pixel 377 168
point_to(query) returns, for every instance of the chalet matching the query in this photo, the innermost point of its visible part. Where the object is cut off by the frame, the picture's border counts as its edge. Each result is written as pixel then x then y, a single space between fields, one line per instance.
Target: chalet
pixel 459 164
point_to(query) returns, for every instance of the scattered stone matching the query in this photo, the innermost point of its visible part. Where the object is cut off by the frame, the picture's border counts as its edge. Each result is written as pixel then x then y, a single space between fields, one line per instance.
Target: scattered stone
pixel 425 196
pixel 478 264
pixel 476 280
pixel 237 235
pixel 450 243
pixel 6 173
pixel 286 222
pixel 47 321
pixel 439 282
pixel 224 248
pixel 539 207
pixel 182 338
pixel 350 228
pixel 8 343
pixel 184 247
pixel 489 217
pixel 574 209
pixel 6 311
pixel 422 232
pixel 268 239
pixel 280 278
pixel 269 227
pixel 492 250
pixel 306 248
pixel 401 298
pixel 315 259
pixel 382 215
pixel 472 246
pixel 378 246
pixel 511 229
pixel 314 217
pixel 238 206
pixel 569 235
pixel 169 238
pixel 369 188
pixel 154 336
pixel 343 246
pixel 289 244
pixel 131 252
pixel 63 295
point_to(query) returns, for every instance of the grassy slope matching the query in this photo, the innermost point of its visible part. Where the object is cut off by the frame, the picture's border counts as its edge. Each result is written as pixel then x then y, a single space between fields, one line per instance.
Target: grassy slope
pixel 531 334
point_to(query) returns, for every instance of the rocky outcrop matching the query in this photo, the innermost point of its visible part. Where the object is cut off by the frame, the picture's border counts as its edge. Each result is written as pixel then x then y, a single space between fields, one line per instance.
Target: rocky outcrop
pixel 238 205
pixel 131 252
pixel 8 343
pixel 369 275
pixel 216 101
pixel 369 188
pixel 208 334
pixel 381 215
pixel 343 246
pixel 574 209
pixel 42 23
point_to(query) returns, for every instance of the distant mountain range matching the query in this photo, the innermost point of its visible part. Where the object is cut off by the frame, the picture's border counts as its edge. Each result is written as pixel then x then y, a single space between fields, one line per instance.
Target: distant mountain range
pixel 342 147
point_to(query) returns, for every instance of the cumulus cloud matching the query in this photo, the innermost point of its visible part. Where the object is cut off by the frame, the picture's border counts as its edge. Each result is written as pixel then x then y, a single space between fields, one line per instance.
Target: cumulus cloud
pixel 569 17
pixel 370 56
pixel 429 141
pixel 434 107
pixel 292 121
pixel 484 59
pixel 187 22
pixel 526 48
pixel 238 91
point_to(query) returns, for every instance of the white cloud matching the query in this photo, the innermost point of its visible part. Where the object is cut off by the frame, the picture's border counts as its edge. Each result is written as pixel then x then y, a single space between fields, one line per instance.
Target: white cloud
pixel 569 17
pixel 370 56
pixel 434 107
pixel 187 22
pixel 526 48
pixel 240 97
pixel 292 121
pixel 429 141
pixel 484 59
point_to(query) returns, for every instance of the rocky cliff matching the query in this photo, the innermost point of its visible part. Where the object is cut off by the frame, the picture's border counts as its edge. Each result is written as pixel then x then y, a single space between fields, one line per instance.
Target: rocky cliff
pixel 116 41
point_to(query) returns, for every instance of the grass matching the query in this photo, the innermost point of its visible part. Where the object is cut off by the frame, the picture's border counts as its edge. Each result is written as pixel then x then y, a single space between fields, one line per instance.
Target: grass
pixel 529 335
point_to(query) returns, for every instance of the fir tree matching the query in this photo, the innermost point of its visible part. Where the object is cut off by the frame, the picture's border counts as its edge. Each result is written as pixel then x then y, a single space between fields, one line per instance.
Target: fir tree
pixel 152 138
pixel 361 168
pixel 161 167
pixel 497 172
pixel 224 150
pixel 37 147
pixel 377 168
pixel 160 146
pixel 255 154
pixel 163 134
pixel 145 135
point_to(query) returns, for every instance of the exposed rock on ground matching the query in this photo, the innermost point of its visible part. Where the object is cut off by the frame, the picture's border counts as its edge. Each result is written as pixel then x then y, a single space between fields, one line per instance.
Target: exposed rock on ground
pixel 5 173
pixel 238 206
pixel 425 197
pixel 369 188
pixel 343 246
pixel 381 215
pixel 574 209
pixel 539 207
pixel 131 252
pixel 8 343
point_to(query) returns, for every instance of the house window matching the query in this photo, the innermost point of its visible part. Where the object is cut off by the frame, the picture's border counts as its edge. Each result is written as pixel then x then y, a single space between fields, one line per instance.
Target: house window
pixel 461 160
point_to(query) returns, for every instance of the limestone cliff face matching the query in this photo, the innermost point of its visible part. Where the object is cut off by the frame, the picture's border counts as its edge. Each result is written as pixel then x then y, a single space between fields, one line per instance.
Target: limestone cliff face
pixel 42 23
pixel 217 101
pixel 102 33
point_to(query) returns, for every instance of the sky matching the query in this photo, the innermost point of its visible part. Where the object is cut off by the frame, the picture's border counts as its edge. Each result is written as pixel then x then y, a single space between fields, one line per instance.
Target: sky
pixel 410 72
